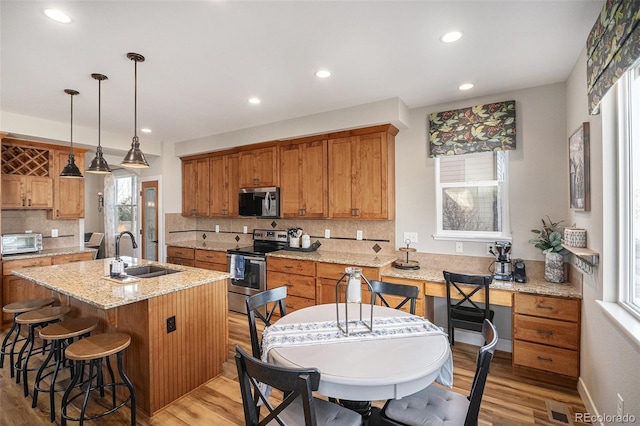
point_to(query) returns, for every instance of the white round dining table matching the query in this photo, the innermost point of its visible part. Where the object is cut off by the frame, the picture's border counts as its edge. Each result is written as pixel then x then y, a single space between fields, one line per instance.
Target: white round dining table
pixel 365 370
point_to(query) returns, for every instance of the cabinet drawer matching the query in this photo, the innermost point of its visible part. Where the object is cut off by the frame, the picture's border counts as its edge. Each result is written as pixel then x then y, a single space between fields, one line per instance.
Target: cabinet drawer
pixel 180 261
pixel 546 331
pixel 211 266
pixel 68 258
pixel 291 266
pixel 10 265
pixel 297 285
pixel 336 270
pixel 293 303
pixel 547 306
pixel 555 360
pixel 181 252
pixel 211 256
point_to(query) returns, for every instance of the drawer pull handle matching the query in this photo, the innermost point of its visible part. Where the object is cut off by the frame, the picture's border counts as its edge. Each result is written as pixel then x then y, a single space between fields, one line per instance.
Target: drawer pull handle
pixel 288 285
pixel 288 267
pixel 545 359
pixel 547 332
pixel 288 306
pixel 545 307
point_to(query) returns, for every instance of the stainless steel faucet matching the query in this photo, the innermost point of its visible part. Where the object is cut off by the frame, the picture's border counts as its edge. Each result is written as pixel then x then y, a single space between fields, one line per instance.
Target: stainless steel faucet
pixel 133 243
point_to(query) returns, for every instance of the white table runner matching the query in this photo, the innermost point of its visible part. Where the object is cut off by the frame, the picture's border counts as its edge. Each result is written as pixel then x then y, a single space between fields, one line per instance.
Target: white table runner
pixel 318 333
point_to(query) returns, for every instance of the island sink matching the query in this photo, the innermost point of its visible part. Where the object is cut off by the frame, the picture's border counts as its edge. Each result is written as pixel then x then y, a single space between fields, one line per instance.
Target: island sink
pixel 149 271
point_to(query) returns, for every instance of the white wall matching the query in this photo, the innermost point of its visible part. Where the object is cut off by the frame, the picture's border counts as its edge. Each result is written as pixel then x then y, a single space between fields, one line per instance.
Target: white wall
pixel 609 360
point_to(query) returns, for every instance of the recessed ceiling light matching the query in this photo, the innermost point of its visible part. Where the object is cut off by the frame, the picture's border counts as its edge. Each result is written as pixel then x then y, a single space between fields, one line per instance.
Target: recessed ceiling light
pixel 450 37
pixel 58 15
pixel 465 86
pixel 323 74
pixel 254 101
pixel 145 130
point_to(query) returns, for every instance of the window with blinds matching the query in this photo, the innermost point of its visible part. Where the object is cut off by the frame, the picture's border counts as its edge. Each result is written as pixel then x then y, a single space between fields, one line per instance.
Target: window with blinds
pixel 471 195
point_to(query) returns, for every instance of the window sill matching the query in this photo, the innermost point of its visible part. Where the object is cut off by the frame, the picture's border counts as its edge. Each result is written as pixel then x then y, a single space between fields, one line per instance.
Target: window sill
pixel 621 318
pixel 471 238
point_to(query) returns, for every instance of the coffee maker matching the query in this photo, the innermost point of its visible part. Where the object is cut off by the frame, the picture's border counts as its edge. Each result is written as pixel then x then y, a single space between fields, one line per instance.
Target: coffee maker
pixel 502 266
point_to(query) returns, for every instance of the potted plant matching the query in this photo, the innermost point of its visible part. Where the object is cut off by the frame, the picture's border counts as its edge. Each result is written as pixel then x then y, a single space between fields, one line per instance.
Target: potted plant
pixel 549 240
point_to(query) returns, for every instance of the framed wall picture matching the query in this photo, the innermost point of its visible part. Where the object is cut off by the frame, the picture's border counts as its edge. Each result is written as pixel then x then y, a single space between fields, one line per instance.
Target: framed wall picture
pixel 579 183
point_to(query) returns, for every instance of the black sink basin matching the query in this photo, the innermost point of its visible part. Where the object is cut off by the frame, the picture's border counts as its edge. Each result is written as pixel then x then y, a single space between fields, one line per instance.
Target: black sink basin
pixel 148 271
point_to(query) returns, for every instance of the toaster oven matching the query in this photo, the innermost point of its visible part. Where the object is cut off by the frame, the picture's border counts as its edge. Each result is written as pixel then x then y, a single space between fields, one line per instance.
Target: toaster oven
pixel 21 243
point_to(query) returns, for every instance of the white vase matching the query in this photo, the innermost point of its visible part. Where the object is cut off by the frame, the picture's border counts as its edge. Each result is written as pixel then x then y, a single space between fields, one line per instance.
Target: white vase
pixel 554 267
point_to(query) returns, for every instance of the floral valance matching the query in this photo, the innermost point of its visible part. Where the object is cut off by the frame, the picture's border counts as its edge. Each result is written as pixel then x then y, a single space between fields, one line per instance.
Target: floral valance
pixel 480 128
pixel 612 47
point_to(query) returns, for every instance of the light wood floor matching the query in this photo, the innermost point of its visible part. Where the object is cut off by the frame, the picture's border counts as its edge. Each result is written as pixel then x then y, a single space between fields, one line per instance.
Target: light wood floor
pixel 508 399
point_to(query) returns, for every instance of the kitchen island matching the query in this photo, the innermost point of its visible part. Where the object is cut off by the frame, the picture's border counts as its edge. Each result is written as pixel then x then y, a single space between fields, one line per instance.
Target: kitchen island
pixel 162 363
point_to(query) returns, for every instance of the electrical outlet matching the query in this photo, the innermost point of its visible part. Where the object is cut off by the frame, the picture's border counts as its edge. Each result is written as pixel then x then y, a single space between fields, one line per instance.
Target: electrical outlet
pixel 245 229
pixel 327 233
pixel 54 233
pixel 489 249
pixel 171 324
pixel 412 237
pixel 620 406
pixel 217 228
pixel 458 246
pixel 359 235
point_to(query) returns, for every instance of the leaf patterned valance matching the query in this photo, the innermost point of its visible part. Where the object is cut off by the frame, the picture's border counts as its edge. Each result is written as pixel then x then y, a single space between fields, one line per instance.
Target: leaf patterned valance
pixel 612 47
pixel 480 128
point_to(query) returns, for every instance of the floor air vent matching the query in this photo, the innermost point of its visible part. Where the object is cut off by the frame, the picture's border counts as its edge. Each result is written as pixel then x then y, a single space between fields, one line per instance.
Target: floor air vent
pixel 558 412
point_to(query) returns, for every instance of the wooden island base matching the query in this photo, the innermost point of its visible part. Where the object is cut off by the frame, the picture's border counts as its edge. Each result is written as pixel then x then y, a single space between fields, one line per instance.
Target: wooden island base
pixel 164 366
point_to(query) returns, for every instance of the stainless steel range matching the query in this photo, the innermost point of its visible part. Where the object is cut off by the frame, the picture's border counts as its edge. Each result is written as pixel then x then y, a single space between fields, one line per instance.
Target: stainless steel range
pixel 248 266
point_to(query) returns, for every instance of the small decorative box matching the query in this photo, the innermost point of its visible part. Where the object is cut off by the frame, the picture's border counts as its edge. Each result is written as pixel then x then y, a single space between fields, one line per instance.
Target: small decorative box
pixel 575 237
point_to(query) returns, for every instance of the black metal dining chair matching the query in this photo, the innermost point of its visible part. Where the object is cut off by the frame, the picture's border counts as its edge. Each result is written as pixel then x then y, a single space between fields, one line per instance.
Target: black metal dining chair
pixel 298 406
pixel 408 292
pixel 258 307
pixel 462 311
pixel 436 405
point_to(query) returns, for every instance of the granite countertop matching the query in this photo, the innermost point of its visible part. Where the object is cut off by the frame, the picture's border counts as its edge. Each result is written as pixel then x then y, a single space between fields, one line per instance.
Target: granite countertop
pixel 204 245
pixel 89 281
pixel 355 259
pixel 533 286
pixel 49 252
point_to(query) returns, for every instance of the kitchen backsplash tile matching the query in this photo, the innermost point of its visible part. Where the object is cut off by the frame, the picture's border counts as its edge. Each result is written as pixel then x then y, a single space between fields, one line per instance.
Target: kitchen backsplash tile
pixel 19 221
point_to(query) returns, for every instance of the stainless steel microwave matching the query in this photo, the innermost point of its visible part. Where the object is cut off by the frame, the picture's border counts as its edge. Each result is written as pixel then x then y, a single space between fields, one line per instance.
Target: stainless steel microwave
pixel 259 202
pixel 21 243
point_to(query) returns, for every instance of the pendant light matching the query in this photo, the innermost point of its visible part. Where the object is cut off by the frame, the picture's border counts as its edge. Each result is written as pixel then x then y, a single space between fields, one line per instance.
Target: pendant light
pixel 135 157
pixel 99 164
pixel 71 170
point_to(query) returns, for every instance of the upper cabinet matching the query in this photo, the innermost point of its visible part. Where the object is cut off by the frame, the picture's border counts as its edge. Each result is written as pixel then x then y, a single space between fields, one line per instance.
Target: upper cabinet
pixel 68 200
pixel 30 178
pixel 362 173
pixel 223 185
pixel 303 179
pixel 195 187
pixel 259 166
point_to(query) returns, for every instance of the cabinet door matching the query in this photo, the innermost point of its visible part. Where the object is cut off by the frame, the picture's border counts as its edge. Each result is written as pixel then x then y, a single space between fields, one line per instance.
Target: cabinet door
pixel 340 178
pixel 68 199
pixel 202 187
pixel 189 177
pixel 217 186
pixel 303 180
pixel 259 167
pixel 370 171
pixel 232 184
pixel 40 192
pixel 290 181
pixel 13 192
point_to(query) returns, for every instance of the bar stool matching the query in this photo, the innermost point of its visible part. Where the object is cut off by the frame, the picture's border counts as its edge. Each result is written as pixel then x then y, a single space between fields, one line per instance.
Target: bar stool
pixel 93 350
pixel 16 309
pixel 61 335
pixel 38 318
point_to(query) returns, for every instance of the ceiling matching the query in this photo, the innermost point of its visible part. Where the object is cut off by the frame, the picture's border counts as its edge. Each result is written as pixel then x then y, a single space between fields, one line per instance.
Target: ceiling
pixel 204 59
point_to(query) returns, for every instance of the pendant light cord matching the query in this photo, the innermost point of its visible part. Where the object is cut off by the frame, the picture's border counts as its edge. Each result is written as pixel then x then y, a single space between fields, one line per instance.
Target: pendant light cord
pixel 99 110
pixel 71 136
pixel 135 100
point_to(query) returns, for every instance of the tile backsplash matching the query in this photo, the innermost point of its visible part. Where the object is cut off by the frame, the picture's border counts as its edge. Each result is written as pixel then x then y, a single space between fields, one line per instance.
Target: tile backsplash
pixel 19 221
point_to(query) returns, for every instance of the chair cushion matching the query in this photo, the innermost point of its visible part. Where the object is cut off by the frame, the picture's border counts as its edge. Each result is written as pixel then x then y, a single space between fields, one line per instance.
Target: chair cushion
pixel 430 406
pixel 327 413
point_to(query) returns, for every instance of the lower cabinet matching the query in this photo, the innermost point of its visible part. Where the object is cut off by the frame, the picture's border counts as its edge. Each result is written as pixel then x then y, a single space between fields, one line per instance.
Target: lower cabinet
pixel 181 256
pixel 15 289
pixel 299 278
pixel 213 260
pixel 546 334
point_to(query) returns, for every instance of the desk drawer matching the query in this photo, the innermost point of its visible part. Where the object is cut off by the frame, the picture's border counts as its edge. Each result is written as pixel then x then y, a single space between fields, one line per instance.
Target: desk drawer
pixel 542 357
pixel 297 285
pixel 180 252
pixel 336 270
pixel 211 256
pixel 546 306
pixel 291 266
pixel 546 331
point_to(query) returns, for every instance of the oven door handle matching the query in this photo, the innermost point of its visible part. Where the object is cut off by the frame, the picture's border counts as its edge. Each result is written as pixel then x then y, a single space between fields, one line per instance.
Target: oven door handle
pixel 256 258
